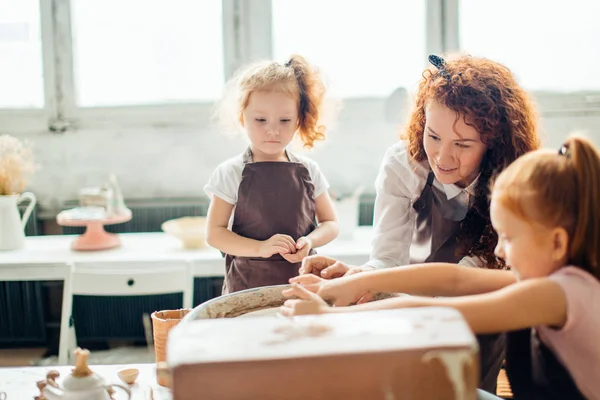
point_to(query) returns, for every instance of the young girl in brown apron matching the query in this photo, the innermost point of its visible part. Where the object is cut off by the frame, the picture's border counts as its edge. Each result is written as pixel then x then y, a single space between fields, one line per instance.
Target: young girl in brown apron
pixel 270 208
pixel 545 211
pixel 470 119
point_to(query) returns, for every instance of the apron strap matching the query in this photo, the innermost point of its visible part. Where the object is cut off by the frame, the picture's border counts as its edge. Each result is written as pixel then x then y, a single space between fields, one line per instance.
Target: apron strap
pixel 292 157
pixel 248 156
pixel 430 178
pixel 248 159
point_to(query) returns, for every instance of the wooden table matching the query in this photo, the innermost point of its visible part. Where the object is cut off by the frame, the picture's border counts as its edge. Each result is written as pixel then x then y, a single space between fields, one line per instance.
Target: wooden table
pixel 20 383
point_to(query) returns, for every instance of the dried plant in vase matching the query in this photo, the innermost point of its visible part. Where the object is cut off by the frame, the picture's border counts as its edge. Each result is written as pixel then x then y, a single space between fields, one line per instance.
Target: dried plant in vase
pixel 16 165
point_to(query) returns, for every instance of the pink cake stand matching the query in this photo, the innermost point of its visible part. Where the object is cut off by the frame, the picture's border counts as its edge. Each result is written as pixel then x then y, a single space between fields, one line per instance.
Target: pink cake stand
pixel 95 237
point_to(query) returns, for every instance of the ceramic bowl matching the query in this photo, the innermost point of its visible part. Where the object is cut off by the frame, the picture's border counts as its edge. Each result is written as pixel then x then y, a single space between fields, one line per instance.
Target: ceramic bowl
pixel 128 375
pixel 190 230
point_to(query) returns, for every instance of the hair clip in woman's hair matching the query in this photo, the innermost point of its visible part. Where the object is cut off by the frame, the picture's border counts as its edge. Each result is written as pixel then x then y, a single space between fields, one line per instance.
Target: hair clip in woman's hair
pixel 438 61
pixel 288 63
pixel 564 151
pixel 440 64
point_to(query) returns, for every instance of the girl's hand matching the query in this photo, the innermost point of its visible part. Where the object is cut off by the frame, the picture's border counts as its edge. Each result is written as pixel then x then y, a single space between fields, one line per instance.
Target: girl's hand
pixel 339 291
pixel 303 247
pixel 307 302
pixel 311 283
pixel 279 243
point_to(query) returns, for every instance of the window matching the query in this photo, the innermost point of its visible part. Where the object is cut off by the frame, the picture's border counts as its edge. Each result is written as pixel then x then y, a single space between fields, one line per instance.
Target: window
pixel 143 52
pixel 367 48
pixel 21 72
pixel 551 46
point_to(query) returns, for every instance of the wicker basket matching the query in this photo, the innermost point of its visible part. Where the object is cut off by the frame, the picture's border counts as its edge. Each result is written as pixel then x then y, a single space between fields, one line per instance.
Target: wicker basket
pixel 162 322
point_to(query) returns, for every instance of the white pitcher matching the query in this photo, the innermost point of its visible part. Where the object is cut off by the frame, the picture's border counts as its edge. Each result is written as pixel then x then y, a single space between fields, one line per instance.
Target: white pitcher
pixel 12 227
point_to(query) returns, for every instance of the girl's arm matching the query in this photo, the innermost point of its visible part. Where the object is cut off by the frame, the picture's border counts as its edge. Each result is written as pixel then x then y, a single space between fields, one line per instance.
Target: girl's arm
pixel 525 304
pixel 433 279
pixel 430 279
pixel 220 237
pixel 327 228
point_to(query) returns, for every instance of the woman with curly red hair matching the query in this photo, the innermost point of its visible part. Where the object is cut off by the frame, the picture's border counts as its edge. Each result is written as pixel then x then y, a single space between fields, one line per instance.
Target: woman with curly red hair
pixel 470 120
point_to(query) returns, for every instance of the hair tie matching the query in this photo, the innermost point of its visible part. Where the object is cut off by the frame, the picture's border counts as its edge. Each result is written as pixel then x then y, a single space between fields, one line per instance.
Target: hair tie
pixel 564 151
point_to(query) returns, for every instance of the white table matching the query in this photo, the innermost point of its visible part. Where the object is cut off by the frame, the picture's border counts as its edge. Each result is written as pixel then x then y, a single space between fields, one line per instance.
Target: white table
pixel 47 257
pixel 20 383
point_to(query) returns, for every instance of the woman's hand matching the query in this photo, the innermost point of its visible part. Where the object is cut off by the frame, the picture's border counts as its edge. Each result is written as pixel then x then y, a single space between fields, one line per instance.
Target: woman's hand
pixel 329 268
pixel 307 302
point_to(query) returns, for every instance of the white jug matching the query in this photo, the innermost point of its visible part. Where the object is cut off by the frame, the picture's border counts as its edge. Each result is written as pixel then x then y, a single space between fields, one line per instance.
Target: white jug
pixel 12 227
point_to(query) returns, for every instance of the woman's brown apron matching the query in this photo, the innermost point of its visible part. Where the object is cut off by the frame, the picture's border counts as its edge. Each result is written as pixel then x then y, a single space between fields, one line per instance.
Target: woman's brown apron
pixel 435 240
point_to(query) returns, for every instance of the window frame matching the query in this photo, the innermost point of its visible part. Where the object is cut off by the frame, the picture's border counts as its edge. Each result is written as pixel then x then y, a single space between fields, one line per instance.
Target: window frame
pixel 551 104
pixel 246 36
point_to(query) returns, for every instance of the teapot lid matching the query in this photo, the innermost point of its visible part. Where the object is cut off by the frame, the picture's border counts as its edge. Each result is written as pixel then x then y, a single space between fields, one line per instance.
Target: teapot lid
pixel 82 377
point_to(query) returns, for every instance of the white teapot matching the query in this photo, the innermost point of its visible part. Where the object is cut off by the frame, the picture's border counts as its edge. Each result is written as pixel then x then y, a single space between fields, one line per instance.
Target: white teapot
pixel 82 384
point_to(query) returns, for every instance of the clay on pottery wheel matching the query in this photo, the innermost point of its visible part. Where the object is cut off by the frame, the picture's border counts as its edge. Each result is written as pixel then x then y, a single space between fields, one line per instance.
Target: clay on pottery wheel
pixel 261 313
pixel 424 353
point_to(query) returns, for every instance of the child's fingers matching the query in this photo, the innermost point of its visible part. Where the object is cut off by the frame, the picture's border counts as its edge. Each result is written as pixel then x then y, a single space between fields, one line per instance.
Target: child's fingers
pixel 286 311
pixel 367 297
pixel 292 258
pixel 288 245
pixel 301 243
pixel 302 293
pixel 288 242
pixel 281 249
pixel 291 302
pixel 306 279
pixel 311 288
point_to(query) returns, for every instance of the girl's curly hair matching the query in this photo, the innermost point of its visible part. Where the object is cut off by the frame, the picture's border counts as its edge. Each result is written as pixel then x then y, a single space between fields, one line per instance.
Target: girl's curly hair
pixel 489 98
pixel 297 78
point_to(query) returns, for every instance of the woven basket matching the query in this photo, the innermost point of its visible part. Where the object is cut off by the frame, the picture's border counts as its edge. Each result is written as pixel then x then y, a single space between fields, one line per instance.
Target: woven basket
pixel 162 322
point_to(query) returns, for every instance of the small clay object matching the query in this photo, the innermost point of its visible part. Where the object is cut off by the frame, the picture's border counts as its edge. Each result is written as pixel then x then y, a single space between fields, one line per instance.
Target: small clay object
pixel 81 367
pixel 41 385
pixel 51 378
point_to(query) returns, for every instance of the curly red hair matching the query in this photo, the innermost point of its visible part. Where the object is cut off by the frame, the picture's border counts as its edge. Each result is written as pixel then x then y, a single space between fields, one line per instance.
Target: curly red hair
pixel 297 78
pixel 489 98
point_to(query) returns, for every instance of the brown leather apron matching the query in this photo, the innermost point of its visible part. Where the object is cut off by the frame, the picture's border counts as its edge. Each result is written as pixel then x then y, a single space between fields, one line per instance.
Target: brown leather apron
pixel 435 240
pixel 534 371
pixel 273 197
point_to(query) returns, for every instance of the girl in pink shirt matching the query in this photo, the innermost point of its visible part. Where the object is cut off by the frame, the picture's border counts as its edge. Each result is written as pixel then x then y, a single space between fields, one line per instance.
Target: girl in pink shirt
pixel 545 208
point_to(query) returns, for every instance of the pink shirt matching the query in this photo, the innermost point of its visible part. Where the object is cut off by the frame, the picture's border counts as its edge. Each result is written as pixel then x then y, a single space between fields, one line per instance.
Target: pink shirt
pixel 577 344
